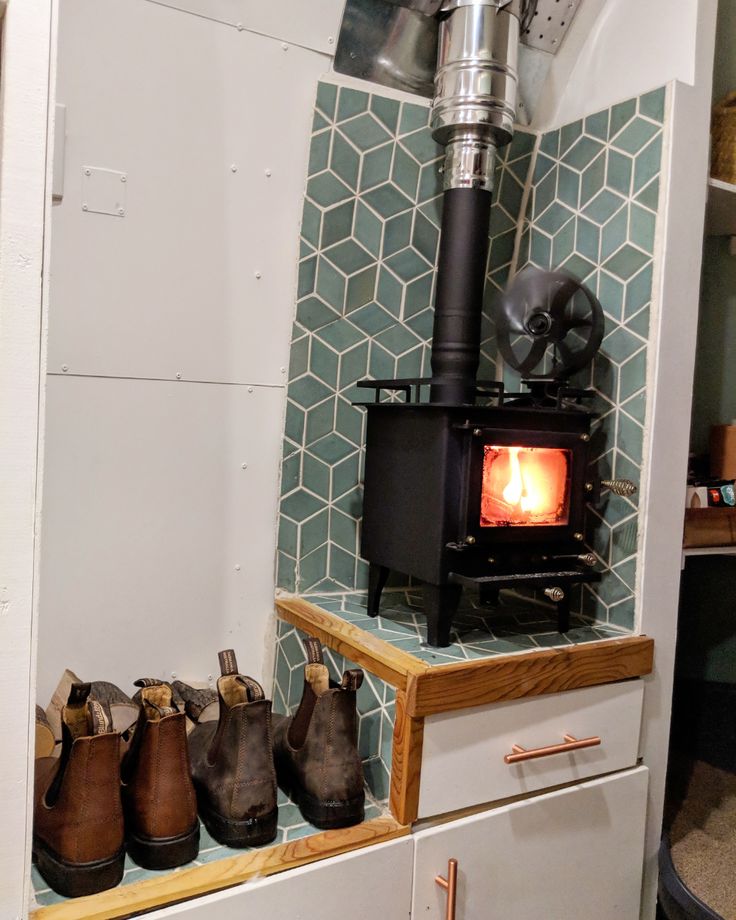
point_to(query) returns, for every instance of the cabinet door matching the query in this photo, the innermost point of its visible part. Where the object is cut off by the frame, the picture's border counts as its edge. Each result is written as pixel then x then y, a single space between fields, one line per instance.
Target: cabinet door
pixel 374 882
pixel 576 852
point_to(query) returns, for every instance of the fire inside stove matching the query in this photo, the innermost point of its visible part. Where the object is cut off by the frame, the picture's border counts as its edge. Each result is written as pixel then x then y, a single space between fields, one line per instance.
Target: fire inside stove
pixel 525 486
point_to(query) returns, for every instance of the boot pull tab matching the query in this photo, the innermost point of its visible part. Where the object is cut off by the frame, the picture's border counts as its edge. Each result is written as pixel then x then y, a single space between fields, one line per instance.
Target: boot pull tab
pixel 228 662
pixel 99 722
pixel 255 690
pixel 147 682
pixel 78 693
pixel 352 679
pixel 313 648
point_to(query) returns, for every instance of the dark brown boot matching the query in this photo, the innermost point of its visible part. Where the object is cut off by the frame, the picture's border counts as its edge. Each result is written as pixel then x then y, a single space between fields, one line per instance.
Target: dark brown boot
pixel 232 761
pixel 78 816
pixel 316 750
pixel 161 826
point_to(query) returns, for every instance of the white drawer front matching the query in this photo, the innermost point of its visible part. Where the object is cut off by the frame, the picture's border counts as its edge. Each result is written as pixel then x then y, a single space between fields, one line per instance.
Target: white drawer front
pixel 463 756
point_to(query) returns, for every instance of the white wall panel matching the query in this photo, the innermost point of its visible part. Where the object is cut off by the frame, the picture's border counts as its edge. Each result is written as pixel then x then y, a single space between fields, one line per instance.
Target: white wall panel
pixel 174 102
pixel 311 23
pixel 148 511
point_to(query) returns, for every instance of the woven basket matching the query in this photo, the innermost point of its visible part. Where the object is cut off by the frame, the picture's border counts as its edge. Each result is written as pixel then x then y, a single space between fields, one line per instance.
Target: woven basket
pixel 723 129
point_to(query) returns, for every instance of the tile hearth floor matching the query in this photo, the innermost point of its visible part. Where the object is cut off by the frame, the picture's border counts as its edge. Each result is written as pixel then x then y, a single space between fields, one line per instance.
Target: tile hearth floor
pixel 291 826
pixel 516 625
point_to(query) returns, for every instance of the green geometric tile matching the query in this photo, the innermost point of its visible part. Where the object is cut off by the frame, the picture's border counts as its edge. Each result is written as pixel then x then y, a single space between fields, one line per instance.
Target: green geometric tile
pixel 587 239
pixel 291 471
pixel 352 102
pixel 597 125
pixel 619 168
pixel 408 264
pixel 330 284
pixel 647 163
pixel 307 391
pixel 320 420
pixel 614 234
pixel 299 357
pixel 421 324
pixel 349 422
pixel 348 256
pixel 630 437
pixel 545 192
pixel 294 426
pixel 326 189
pixel 368 229
pixel 569 134
pixel 365 132
pixel 623 614
pixel 323 363
pixel 611 295
pixel 307 274
pixel 430 181
pixel 386 111
pixel 425 238
pixel 319 152
pixel 345 476
pixel 371 319
pixel 332 448
pixel 638 291
pixel 337 224
pixel 510 193
pixel 563 244
pixel 316 476
pixel 313 313
pixel 593 179
pixel 319 122
pixel 312 568
pixel 343 531
pixel 353 365
pixel 418 295
pixel 626 262
pixel 639 323
pixel 649 196
pixel 311 222
pixel 421 146
pixel 568 187
pixel 635 135
pixel 554 218
pixel 540 249
pixel 389 292
pixel 326 99
pixel 550 145
pixel 405 172
pixel 397 339
pixel 361 289
pixel 636 407
pixel 603 206
pixel 652 105
pixel 621 115
pixel 633 375
pixel 300 505
pixel 582 153
pixel 643 223
pixel 288 536
pixel 387 200
pixel 413 117
pixel 313 533
pixel 397 233
pixel 376 167
pixel 345 160
pixel 620 344
pixel 579 267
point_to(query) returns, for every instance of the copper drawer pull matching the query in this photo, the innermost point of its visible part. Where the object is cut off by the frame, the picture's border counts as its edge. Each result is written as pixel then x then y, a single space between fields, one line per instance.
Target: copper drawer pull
pixel 571 744
pixel 450 886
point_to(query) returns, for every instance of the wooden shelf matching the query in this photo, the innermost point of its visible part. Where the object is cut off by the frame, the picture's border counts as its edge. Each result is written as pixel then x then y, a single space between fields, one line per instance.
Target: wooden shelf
pixel 182 884
pixel 720 219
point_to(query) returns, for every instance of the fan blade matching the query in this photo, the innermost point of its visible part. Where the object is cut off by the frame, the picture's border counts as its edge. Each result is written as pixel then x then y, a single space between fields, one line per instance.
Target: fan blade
pixel 564 292
pixel 534 356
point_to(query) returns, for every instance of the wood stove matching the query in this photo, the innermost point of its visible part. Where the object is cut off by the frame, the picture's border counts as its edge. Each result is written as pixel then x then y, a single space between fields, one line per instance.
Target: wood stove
pixel 491 496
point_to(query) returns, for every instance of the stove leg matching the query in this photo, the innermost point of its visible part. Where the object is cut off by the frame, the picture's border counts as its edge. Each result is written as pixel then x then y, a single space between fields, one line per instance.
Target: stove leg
pixel 440 605
pixel 488 595
pixel 377 578
pixel 563 615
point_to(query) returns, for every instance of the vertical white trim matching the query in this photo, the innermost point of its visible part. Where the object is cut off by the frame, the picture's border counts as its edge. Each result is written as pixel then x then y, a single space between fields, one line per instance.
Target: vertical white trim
pixel 24 104
pixel 672 361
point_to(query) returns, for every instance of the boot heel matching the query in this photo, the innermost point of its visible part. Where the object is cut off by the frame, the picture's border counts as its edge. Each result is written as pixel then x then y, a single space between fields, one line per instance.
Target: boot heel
pixel 253 832
pixel 163 852
pixel 75 880
pixel 331 815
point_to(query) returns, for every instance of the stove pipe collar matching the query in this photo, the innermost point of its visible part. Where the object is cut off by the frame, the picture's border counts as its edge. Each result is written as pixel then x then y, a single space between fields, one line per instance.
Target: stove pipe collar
pixel 474 104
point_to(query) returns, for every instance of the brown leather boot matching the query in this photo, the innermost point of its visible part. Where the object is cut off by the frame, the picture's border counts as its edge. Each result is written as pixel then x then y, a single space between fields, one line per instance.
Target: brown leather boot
pixel 232 761
pixel 161 826
pixel 316 750
pixel 78 816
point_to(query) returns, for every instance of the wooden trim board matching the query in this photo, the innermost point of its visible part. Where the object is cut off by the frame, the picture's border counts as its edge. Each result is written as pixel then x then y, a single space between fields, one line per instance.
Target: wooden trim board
pixel 126 900
pixel 380 658
pixel 527 674
pixel 406 763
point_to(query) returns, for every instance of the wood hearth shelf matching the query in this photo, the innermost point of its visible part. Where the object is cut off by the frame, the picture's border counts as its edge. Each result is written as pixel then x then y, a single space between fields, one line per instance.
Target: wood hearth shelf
pixel 172 887
pixel 425 689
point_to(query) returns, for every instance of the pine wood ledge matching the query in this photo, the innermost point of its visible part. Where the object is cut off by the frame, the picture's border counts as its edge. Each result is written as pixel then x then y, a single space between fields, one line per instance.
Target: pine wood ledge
pixel 431 689
pixel 181 885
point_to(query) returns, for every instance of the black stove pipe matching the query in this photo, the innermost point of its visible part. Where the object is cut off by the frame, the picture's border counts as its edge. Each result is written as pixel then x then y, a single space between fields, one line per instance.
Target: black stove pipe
pixel 461 275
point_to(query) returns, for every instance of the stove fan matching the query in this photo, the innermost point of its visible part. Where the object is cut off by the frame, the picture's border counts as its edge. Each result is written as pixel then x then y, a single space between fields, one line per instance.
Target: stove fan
pixel 549 318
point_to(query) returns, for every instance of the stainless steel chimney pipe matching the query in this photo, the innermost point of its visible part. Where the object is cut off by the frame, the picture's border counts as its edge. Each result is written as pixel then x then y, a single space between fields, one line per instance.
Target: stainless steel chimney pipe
pixel 474 104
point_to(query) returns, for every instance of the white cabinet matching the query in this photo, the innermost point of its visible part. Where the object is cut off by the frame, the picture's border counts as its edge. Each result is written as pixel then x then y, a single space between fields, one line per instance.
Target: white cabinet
pixel 463 753
pixel 374 882
pixel 576 852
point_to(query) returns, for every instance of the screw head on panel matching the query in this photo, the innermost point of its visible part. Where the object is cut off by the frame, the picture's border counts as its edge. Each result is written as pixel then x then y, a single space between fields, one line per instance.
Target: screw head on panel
pixel 173 675
pixel 240 27
pixel 121 211
pixel 283 370
pixel 585 437
pixel 330 40
pixel 234 167
pixel 123 178
pixel 250 389
pixel 284 46
pixel 588 486
pixel 268 173
pixel 578 536
pixel 237 568
pixel 88 172
pixel 65 367
pixel 258 275
pixel 84 207
pixel 470 540
pixel 178 376
pixel 244 466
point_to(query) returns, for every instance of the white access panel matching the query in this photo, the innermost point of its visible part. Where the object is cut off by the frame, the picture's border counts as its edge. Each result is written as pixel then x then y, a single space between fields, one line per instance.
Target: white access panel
pixel 371 883
pixel 567 855
pixel 210 127
pixel 158 546
pixel 313 24
pixel 463 752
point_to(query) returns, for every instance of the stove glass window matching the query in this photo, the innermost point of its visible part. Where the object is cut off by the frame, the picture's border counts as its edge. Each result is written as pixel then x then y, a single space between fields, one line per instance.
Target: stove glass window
pixel 525 486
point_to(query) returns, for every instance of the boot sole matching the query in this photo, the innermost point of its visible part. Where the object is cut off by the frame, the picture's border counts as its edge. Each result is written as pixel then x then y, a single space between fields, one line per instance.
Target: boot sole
pixel 324 814
pixel 75 880
pixel 163 852
pixel 251 832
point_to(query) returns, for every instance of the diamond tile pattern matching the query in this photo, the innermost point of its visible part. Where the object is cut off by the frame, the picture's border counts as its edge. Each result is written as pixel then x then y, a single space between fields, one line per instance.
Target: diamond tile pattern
pixel 612 162
pixel 376 699
pixel 370 234
pixel 366 289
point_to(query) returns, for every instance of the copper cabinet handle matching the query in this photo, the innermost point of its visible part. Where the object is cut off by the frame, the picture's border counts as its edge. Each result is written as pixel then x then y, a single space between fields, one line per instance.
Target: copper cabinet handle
pixel 571 743
pixel 450 886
